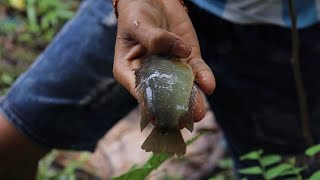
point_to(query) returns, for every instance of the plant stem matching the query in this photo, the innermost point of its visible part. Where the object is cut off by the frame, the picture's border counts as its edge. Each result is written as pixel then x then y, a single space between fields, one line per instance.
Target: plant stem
pixel 302 97
pixel 264 170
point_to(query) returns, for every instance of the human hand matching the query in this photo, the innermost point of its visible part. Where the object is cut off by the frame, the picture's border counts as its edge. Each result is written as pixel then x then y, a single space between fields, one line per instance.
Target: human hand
pixel 158 27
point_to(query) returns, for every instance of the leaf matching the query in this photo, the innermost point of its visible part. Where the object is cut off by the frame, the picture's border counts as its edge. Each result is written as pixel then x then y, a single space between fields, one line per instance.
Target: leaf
pixel 32 16
pixel 192 140
pixel 295 171
pixel 7 79
pixel 156 160
pixel 278 170
pixel 254 155
pixel 313 150
pixel 315 176
pixel 44 171
pixel 254 170
pixel 153 163
pixel 134 174
pixel 25 38
pixel 141 173
pixel 18 4
pixel 225 163
pixel 270 159
pixel 65 14
pixel 292 160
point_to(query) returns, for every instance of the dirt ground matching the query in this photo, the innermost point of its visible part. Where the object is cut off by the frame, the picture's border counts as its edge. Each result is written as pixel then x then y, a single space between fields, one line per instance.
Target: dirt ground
pixel 120 149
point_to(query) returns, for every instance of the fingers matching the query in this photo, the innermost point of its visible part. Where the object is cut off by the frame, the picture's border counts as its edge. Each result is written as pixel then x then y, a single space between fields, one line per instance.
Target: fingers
pixel 200 109
pixel 158 40
pixel 179 24
pixel 204 76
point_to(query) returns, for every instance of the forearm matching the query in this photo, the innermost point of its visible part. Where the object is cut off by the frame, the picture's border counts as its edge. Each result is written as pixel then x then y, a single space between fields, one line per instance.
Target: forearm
pixel 18 155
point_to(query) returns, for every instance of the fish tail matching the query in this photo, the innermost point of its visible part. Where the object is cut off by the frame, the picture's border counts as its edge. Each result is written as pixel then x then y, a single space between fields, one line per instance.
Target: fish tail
pixel 169 142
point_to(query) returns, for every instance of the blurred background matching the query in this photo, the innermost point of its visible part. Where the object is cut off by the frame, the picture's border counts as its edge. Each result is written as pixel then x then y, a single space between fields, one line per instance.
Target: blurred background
pixel 26 28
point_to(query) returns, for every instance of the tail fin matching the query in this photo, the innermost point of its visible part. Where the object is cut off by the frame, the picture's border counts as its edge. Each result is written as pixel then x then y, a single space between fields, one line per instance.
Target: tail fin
pixel 170 142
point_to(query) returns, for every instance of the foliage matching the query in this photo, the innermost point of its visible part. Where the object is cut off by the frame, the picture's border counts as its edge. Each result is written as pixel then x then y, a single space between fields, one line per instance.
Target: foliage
pixel 224 170
pixel 26 27
pixel 45 17
pixel 6 80
pixel 18 4
pixel 138 173
pixel 313 150
pixel 274 166
pixel 36 21
pixel 46 172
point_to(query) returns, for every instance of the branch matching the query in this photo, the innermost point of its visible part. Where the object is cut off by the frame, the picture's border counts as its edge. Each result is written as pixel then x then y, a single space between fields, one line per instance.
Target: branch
pixel 302 97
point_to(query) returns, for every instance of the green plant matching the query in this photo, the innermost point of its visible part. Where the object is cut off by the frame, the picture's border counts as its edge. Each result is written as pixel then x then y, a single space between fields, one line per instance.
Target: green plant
pixel 224 170
pixel 46 172
pixel 274 166
pixel 6 80
pixel 138 173
pixel 35 22
pixel 8 26
pixel 44 18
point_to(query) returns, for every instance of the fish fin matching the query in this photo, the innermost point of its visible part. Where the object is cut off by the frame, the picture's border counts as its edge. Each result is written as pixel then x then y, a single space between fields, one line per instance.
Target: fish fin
pixel 138 77
pixel 170 142
pixel 145 117
pixel 187 121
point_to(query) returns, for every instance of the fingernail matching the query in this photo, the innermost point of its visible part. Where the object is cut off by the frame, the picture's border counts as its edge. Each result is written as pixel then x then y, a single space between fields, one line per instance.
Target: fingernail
pixel 181 48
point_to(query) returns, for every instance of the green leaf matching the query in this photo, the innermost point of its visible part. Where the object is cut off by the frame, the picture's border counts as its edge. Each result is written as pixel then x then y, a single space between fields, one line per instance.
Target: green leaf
pixel 278 170
pixel 254 170
pixel 32 16
pixel 65 14
pixel 292 160
pixel 134 175
pixel 313 150
pixel 315 176
pixel 44 171
pixel 293 171
pixel 153 163
pixel 218 177
pixel 156 160
pixel 270 159
pixel 192 140
pixel 141 173
pixel 7 79
pixel 25 38
pixel 254 155
pixel 225 163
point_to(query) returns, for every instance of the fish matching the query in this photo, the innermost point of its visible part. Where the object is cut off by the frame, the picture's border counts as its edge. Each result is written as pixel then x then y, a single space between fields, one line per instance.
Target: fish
pixel 166 95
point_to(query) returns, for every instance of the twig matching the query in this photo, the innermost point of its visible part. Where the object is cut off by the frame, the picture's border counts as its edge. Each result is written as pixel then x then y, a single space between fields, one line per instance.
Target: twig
pixel 302 97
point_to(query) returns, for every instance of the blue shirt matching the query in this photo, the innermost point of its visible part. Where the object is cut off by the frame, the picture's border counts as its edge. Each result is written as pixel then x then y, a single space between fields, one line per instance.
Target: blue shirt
pixel 263 11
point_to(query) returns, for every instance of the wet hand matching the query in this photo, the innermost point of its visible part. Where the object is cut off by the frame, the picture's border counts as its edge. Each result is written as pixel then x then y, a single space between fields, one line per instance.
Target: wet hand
pixel 158 27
